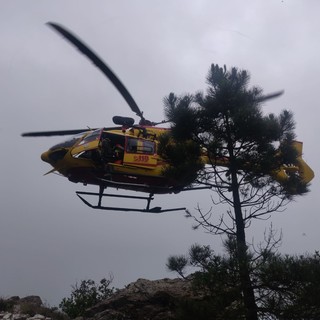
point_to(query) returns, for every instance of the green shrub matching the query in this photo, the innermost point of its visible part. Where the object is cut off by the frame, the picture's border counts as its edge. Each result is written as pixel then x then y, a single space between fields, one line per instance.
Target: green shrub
pixel 6 305
pixel 86 295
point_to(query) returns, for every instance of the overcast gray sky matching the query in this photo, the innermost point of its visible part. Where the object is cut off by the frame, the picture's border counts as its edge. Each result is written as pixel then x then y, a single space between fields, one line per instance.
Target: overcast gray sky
pixel 48 238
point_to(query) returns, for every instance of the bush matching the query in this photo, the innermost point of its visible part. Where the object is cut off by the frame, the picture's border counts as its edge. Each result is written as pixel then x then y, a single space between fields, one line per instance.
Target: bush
pixel 86 295
pixel 6 305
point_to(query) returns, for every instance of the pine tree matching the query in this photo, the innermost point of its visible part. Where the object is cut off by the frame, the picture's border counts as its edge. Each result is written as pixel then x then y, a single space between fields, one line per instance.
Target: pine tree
pixel 245 150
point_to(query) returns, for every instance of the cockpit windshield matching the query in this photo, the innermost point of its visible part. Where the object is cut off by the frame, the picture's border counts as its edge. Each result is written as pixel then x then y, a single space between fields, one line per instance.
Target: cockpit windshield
pixel 68 143
pixel 92 136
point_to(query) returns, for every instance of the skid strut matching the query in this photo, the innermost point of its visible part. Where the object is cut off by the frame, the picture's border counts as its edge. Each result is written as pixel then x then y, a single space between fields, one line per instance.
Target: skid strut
pixel 100 195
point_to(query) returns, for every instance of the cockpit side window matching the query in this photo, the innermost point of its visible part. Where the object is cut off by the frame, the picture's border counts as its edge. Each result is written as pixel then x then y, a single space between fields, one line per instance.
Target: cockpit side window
pixel 88 154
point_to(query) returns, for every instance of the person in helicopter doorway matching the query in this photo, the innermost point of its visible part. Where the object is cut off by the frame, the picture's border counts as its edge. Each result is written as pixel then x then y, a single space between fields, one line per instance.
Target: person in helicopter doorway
pixel 111 153
pixel 118 153
pixel 106 150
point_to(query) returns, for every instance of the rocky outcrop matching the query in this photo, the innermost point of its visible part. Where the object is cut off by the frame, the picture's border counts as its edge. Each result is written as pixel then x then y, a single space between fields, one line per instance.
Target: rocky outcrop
pixel 144 299
pixel 21 316
pixel 27 308
pixel 140 300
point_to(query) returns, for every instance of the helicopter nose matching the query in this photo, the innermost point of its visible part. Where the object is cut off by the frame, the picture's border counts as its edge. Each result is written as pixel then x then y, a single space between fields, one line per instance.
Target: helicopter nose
pixel 52 156
pixel 45 157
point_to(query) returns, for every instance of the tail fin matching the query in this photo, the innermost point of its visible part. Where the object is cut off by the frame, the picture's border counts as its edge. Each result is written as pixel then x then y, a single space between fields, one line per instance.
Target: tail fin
pixel 305 172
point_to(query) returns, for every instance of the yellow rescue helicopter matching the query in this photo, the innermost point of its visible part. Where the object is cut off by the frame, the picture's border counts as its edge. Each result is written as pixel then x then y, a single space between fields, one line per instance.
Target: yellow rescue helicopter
pixel 125 156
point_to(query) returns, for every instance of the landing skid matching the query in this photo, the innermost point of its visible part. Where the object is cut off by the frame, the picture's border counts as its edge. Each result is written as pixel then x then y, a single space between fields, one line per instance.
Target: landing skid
pixel 80 194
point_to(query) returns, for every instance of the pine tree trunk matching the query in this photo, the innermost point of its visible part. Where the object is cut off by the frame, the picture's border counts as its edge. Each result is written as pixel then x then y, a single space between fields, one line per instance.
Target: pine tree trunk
pixel 242 250
pixel 242 254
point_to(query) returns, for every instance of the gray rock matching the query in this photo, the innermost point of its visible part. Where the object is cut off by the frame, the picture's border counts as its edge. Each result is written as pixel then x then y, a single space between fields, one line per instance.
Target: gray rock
pixel 19 316
pixel 37 317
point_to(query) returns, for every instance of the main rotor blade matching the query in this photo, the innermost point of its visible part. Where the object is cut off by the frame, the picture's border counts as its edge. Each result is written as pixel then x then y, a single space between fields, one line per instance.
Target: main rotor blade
pixel 54 133
pixel 101 65
pixel 270 96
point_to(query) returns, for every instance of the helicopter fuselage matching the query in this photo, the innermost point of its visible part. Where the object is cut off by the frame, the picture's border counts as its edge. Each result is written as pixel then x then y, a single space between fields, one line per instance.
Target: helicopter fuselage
pixel 115 157
pixel 129 159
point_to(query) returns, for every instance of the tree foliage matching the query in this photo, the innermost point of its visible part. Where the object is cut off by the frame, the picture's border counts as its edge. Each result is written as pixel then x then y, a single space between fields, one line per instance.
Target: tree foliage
pixel 184 158
pixel 229 124
pixel 86 295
